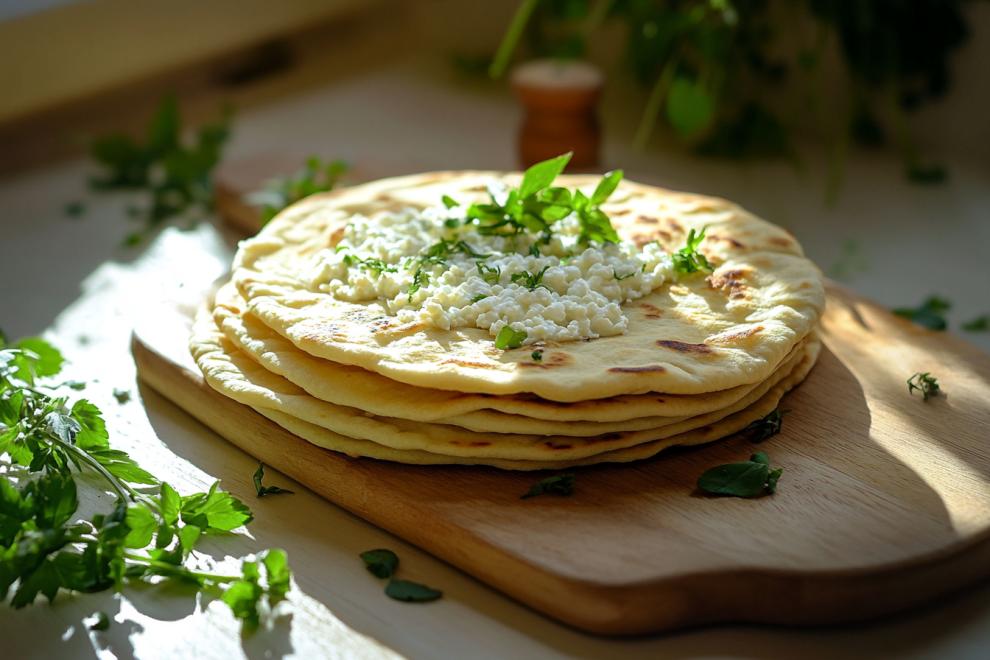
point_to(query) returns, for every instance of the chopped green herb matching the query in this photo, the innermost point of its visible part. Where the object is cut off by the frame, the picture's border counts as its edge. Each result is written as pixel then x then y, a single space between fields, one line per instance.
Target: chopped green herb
pixel 376 266
pixel 562 484
pixel 420 279
pixel 979 324
pixel 766 427
pixel 537 356
pixel 929 314
pixel 450 202
pixel 480 296
pixel 688 260
pixel 411 592
pixel 534 250
pixel 102 621
pixel 122 396
pixel 490 274
pixel 380 563
pixel 267 490
pixel 531 281
pixel 509 338
pixel 743 479
pixel 623 277
pixel 924 383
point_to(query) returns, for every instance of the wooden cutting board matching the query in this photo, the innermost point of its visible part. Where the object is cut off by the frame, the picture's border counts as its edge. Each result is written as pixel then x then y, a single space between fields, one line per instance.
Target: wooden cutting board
pixel 884 502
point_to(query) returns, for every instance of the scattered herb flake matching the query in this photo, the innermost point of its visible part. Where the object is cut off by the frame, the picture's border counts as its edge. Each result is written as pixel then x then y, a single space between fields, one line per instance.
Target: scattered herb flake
pixel 411 592
pixel 315 177
pixel 537 356
pixel 122 396
pixel 380 563
pixel 766 427
pixel 979 324
pixel 75 209
pixel 449 202
pixel 531 281
pixel 101 621
pixel 688 260
pixel 924 383
pixel 267 490
pixel 562 484
pixel 509 338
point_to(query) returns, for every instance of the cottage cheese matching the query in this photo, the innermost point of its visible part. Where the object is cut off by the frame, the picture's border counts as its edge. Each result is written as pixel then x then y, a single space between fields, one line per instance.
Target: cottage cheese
pixel 579 296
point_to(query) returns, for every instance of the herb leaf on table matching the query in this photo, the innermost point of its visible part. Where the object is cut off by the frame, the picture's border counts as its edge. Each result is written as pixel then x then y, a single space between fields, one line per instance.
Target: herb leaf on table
pixel 562 484
pixel 267 490
pixel 743 479
pixel 766 427
pixel 924 383
pixel 930 313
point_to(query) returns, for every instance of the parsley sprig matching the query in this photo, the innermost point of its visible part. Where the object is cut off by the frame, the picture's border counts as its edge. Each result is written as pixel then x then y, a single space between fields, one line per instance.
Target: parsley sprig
pixel 383 564
pixel 536 205
pixel 766 427
pixel 930 314
pixel 315 177
pixel 144 535
pixel 267 490
pixel 688 260
pixel 531 281
pixel 924 383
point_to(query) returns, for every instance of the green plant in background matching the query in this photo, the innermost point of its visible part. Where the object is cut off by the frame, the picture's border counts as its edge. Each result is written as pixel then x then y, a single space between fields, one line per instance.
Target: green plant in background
pixel 176 176
pixel 315 177
pixel 709 62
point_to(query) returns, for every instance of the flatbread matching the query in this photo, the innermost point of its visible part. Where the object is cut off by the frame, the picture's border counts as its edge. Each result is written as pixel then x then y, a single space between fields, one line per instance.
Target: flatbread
pixel 352 386
pixel 235 374
pixel 701 334
pixel 725 427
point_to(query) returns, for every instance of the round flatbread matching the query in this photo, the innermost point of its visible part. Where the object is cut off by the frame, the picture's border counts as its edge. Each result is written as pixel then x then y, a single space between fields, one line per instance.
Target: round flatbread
pixel 233 373
pixel 355 387
pixel 700 334
pixel 725 427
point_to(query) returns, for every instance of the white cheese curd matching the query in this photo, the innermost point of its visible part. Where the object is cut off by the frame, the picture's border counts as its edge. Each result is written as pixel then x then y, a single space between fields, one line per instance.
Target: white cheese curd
pixel 570 291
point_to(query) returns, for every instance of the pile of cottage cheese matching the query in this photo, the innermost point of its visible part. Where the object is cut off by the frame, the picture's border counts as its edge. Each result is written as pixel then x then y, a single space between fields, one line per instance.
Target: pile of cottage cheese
pixel 578 296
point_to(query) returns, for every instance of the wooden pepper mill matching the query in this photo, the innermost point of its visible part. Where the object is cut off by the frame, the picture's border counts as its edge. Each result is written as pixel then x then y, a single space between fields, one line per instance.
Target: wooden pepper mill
pixel 559 97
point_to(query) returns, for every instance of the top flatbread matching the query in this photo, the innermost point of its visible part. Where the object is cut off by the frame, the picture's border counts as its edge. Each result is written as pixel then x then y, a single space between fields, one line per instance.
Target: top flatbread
pixel 700 334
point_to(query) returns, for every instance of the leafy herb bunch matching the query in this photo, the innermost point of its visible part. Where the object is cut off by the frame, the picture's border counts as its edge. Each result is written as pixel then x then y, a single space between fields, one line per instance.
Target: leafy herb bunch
pixel 149 532
pixel 709 62
pixel 315 177
pixel 178 177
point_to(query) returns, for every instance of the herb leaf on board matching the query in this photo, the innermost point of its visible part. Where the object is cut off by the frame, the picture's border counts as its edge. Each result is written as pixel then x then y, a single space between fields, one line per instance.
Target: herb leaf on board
pixel 767 426
pixel 380 563
pixel 562 484
pixel 930 313
pixel 743 479
pixel 924 383
pixel 979 324
pixel 411 592
pixel 267 490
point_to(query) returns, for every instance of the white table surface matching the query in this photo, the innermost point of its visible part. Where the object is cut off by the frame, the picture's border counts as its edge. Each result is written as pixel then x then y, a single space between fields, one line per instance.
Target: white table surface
pixel 70 279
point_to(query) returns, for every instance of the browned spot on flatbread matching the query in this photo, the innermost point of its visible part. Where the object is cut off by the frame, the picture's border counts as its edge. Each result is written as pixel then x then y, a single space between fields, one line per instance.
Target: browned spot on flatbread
pixel 641 239
pixel 381 324
pixel 620 212
pixel 469 363
pixel 673 224
pixel 732 280
pixel 549 361
pixel 555 447
pixel 652 308
pixel 734 336
pixel 471 444
pixel 660 401
pixel 783 242
pixel 478 188
pixel 654 368
pixel 650 220
pixel 409 327
pixel 731 241
pixel 700 349
pixel 382 197
pixel 232 308
pixel 651 316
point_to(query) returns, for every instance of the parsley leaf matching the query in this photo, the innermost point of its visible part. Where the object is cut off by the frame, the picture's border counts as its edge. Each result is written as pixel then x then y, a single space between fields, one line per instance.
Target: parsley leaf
pixel 315 177
pixel 688 260
pixel 924 383
pixel 537 356
pixel 743 479
pixel 380 563
pixel 479 297
pixel 930 313
pixel 449 202
pixel 531 281
pixel 490 274
pixel 214 511
pixel 267 490
pixel 509 338
pixel 562 484
pixel 411 592
pixel 766 427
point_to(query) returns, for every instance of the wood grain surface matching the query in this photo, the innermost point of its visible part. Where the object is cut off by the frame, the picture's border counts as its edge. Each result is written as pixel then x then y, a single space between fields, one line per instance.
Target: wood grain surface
pixel 884 502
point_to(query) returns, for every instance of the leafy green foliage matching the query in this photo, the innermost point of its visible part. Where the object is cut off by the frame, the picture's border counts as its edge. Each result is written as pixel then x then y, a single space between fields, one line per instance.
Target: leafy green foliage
pixel 177 177
pixel 316 176
pixel 143 536
pixel 924 383
pixel 688 260
pixel 380 563
pixel 530 280
pixel 376 266
pixel 929 314
pixel 267 490
pixel 509 338
pixel 536 205
pixel 490 274
pixel 383 564
pixel 743 479
pixel 979 324
pixel 411 592
pixel 766 427
pixel 690 107
pixel 562 484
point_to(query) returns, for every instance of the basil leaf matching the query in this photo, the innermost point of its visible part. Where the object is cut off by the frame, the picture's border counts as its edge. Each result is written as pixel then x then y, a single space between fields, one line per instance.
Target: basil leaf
pixel 411 592
pixel 540 176
pixel 380 563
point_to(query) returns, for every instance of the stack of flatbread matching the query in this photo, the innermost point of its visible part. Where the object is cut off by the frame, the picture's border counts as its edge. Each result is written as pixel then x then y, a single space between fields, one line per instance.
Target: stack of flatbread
pixel 702 357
